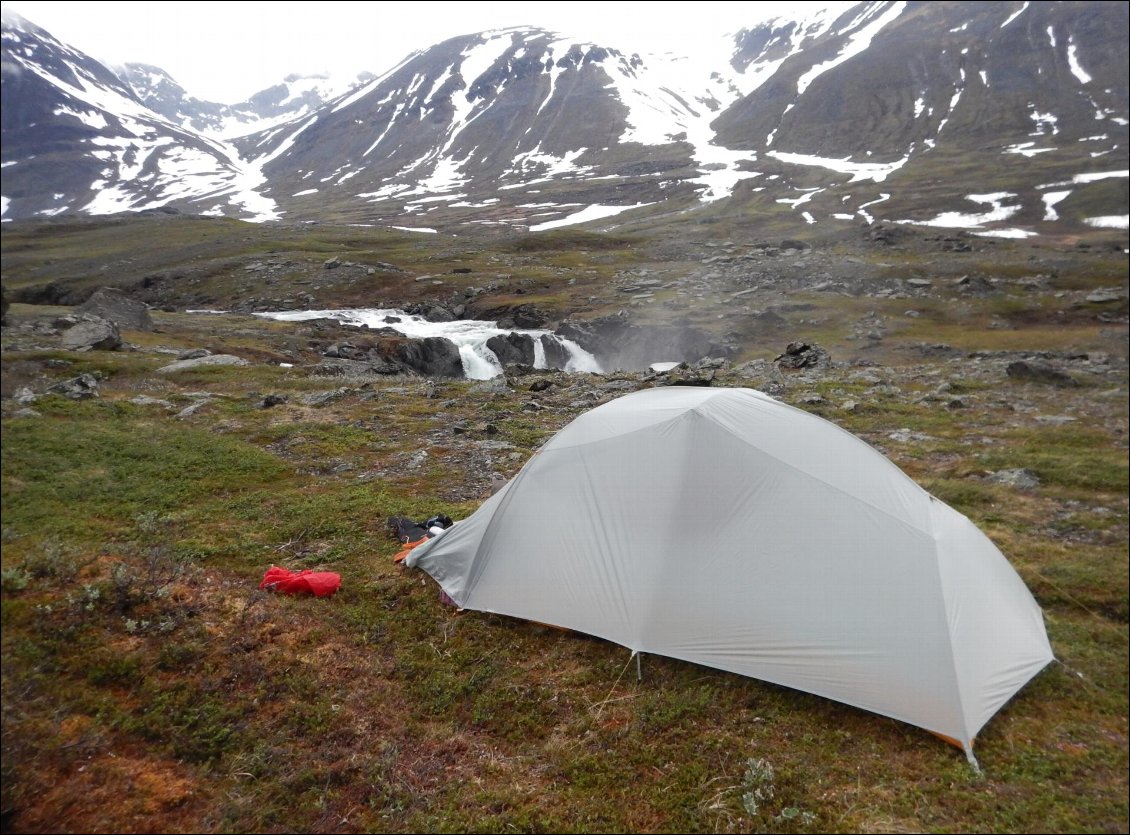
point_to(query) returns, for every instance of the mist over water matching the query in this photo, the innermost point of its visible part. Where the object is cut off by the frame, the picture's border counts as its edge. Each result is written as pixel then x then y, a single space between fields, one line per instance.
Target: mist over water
pixel 469 335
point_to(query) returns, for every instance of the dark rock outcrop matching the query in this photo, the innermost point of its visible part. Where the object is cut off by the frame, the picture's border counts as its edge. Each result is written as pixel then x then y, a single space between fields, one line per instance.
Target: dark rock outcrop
pixel 800 355
pixel 432 357
pixel 513 348
pixel 555 354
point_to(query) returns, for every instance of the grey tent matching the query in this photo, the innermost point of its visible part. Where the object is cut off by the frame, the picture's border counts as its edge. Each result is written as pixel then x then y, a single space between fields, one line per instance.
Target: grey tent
pixel 725 528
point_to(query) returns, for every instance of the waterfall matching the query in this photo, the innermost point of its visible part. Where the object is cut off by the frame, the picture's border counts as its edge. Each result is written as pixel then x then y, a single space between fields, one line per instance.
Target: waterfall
pixel 479 361
pixel 469 335
pixel 579 358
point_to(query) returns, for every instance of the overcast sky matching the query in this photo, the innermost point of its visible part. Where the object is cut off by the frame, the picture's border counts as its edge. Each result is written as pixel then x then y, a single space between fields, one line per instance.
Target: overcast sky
pixel 225 51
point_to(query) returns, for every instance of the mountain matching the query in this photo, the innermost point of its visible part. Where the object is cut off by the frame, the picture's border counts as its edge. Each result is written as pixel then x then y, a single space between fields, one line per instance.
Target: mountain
pixel 1004 118
pixel 77 139
pixel 294 97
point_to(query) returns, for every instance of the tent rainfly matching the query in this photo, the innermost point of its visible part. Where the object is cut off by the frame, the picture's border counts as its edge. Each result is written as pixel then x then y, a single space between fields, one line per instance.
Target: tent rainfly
pixel 723 527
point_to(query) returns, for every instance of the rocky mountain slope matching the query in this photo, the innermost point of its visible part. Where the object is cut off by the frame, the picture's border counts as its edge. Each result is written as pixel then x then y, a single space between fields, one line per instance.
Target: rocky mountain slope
pixel 78 140
pixel 294 97
pixel 1006 118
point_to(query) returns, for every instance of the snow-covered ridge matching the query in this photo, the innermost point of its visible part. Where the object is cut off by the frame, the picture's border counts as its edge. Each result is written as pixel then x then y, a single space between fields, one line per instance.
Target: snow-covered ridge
pixel 529 129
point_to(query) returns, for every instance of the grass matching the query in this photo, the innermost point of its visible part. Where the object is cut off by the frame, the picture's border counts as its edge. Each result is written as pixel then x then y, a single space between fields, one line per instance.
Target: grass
pixel 149 685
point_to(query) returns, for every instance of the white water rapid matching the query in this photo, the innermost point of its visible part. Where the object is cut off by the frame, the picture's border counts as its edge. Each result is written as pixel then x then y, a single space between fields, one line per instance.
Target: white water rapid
pixel 469 335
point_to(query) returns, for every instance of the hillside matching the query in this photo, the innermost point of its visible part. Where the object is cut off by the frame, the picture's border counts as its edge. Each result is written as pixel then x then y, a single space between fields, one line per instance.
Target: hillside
pixel 149 685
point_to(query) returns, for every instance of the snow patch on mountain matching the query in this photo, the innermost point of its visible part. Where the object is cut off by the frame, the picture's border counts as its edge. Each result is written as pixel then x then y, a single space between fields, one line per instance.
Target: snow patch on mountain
pixel 860 41
pixel 594 212
pixel 960 220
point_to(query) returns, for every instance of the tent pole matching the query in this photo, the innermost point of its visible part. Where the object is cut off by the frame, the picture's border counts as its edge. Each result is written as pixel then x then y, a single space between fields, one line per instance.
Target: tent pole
pixel 639 672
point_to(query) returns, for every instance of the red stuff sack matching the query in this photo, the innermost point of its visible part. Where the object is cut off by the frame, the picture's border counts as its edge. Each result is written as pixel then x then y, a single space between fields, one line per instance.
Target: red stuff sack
pixel 317 583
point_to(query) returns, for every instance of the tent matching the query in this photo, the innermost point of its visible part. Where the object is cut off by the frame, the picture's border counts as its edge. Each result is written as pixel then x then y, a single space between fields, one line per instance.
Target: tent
pixel 723 527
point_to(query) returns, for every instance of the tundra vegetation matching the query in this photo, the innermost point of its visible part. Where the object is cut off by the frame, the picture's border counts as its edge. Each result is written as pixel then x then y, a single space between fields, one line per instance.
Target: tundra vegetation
pixel 150 686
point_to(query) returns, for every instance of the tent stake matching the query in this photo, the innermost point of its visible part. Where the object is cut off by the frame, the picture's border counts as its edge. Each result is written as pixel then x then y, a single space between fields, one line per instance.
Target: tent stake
pixel 969 755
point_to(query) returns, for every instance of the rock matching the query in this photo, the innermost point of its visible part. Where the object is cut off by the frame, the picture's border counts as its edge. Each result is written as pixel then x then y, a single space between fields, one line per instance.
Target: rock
pixel 513 348
pixel 617 385
pixel 710 364
pixel 113 305
pixel 331 263
pixel 1021 479
pixel 495 385
pixel 24 396
pixel 201 362
pixel 144 400
pixel 194 354
pixel 321 398
pixel 696 379
pixel 435 356
pixel 802 355
pixel 1055 420
pixel 189 411
pixel 1035 372
pixel 974 284
pixel 529 317
pixel 81 387
pixel 1106 294
pixel 92 334
pixel 905 436
pixel 540 385
pixel 272 400
pixel 555 354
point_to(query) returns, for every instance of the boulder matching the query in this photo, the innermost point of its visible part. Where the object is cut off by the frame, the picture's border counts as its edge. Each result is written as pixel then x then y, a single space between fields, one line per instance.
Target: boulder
pixel 513 348
pixel 81 387
pixel 1021 479
pixel 434 356
pixel 200 362
pixel 92 334
pixel 803 355
pixel 113 305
